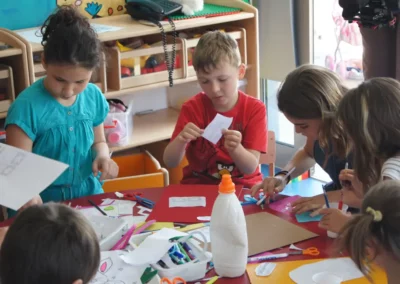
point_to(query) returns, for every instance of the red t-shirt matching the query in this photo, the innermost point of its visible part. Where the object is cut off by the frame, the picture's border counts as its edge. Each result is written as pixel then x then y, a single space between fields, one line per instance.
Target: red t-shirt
pixel 207 162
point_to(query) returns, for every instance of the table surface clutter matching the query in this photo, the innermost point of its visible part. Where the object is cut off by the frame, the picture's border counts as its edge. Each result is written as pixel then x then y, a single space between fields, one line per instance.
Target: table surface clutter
pixel 279 242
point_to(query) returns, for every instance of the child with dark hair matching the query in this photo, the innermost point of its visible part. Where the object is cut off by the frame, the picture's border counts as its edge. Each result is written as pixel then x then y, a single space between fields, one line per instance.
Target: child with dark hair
pixel 50 243
pixel 61 116
pixel 375 233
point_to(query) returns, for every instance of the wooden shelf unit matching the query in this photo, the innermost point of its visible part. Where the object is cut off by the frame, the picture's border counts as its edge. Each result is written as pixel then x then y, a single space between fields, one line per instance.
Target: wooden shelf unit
pixel 159 125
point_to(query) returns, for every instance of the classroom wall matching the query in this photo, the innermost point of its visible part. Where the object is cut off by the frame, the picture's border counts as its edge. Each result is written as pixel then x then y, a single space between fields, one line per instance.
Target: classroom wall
pixel 21 14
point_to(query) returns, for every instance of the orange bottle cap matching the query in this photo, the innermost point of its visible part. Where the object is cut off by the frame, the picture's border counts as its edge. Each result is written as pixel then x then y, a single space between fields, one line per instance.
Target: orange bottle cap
pixel 226 185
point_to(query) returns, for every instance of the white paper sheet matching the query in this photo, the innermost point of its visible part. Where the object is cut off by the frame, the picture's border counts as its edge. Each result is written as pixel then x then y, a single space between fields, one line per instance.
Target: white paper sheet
pixel 34 35
pixel 153 248
pixel 24 175
pixel 133 220
pixel 114 270
pixel 189 201
pixel 343 267
pixel 213 131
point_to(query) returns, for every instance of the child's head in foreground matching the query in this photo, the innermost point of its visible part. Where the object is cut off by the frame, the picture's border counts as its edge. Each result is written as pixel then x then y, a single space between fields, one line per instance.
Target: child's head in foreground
pixel 218 66
pixel 374 234
pixel 50 243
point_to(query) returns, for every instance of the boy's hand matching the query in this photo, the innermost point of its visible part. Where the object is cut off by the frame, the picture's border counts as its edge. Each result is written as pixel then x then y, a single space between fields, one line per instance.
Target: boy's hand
pixel 333 219
pixel 233 139
pixel 190 132
pixel 108 168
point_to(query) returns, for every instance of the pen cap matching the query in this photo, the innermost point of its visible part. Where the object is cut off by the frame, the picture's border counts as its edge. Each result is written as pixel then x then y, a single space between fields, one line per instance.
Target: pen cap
pixel 226 186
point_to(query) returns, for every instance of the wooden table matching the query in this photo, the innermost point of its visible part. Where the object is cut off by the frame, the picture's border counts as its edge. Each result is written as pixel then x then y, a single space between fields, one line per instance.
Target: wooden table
pixel 323 243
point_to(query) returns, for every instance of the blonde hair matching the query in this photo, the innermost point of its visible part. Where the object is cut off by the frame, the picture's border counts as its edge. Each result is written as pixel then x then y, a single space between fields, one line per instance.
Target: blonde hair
pixel 378 222
pixel 213 48
pixel 370 115
pixel 314 92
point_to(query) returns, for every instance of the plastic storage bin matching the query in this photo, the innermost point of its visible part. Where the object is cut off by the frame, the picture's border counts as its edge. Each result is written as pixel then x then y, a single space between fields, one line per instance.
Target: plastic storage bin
pixel 118 127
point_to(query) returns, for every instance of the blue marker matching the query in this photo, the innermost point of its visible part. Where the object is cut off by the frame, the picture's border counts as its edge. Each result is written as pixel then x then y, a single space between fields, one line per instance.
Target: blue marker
pixel 188 250
pixel 326 197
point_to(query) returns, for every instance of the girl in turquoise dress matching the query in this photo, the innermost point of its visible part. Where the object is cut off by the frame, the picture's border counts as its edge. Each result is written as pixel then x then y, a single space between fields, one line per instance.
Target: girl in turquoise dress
pixel 61 116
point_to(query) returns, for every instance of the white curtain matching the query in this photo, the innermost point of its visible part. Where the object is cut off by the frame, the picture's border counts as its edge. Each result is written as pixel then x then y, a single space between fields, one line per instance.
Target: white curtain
pixel 286 33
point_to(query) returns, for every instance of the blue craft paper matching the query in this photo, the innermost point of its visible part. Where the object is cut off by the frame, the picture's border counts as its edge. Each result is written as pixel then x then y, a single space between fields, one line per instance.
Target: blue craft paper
pixel 305 217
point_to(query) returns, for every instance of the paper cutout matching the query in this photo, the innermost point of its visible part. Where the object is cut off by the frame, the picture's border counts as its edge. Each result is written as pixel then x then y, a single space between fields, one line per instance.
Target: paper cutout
pixel 265 269
pixel 134 220
pixel 142 211
pixel 305 217
pixel 281 273
pixel 34 35
pixel 213 131
pixel 24 175
pixel 279 232
pixel 159 225
pixel 343 267
pixel 284 205
pixel 113 270
pixel 293 247
pixel 204 218
pixel 188 201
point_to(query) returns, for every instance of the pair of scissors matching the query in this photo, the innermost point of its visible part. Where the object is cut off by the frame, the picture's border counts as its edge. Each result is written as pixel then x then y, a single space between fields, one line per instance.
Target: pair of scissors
pixel 176 280
pixel 141 200
pixel 308 251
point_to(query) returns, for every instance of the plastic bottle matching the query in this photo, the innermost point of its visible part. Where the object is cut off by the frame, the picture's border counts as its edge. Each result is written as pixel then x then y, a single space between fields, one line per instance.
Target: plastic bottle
pixel 118 134
pixel 228 232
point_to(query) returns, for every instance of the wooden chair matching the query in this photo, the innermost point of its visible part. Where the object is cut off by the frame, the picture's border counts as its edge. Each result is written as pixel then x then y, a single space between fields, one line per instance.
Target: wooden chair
pixel 269 158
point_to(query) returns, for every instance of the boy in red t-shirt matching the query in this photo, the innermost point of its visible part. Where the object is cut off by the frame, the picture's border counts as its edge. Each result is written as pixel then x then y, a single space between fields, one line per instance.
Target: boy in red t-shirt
pixel 218 66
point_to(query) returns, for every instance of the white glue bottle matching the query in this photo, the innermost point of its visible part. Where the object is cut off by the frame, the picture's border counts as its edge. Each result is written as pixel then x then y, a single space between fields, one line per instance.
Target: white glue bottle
pixel 228 232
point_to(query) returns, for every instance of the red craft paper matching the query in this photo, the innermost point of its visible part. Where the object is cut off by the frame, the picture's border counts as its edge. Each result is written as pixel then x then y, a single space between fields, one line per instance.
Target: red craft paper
pixel 162 213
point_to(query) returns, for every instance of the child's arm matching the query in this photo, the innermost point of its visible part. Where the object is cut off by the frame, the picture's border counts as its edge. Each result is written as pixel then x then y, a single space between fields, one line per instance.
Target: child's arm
pixel 174 152
pixel 16 137
pixel 103 162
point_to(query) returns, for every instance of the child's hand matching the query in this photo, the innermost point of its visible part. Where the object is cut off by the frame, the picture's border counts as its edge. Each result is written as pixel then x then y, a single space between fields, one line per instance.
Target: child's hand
pixel 37 200
pixel 3 232
pixel 355 184
pixel 270 186
pixel 305 204
pixel 190 132
pixel 108 168
pixel 233 139
pixel 333 219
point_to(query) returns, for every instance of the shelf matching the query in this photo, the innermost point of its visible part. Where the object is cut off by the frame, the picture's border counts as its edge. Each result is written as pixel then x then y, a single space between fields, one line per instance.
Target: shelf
pixel 10 52
pixel 113 93
pixel 132 28
pixel 152 127
pixel 3 115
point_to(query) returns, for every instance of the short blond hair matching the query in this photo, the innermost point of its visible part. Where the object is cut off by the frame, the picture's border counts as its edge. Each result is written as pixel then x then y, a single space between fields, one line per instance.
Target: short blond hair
pixel 213 48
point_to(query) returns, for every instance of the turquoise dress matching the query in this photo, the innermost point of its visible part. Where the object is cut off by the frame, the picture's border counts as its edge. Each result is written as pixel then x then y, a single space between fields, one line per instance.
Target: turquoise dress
pixel 64 134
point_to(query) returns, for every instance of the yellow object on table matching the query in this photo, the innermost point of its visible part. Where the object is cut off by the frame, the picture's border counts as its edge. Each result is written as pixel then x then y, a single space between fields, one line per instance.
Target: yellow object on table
pixel 282 269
